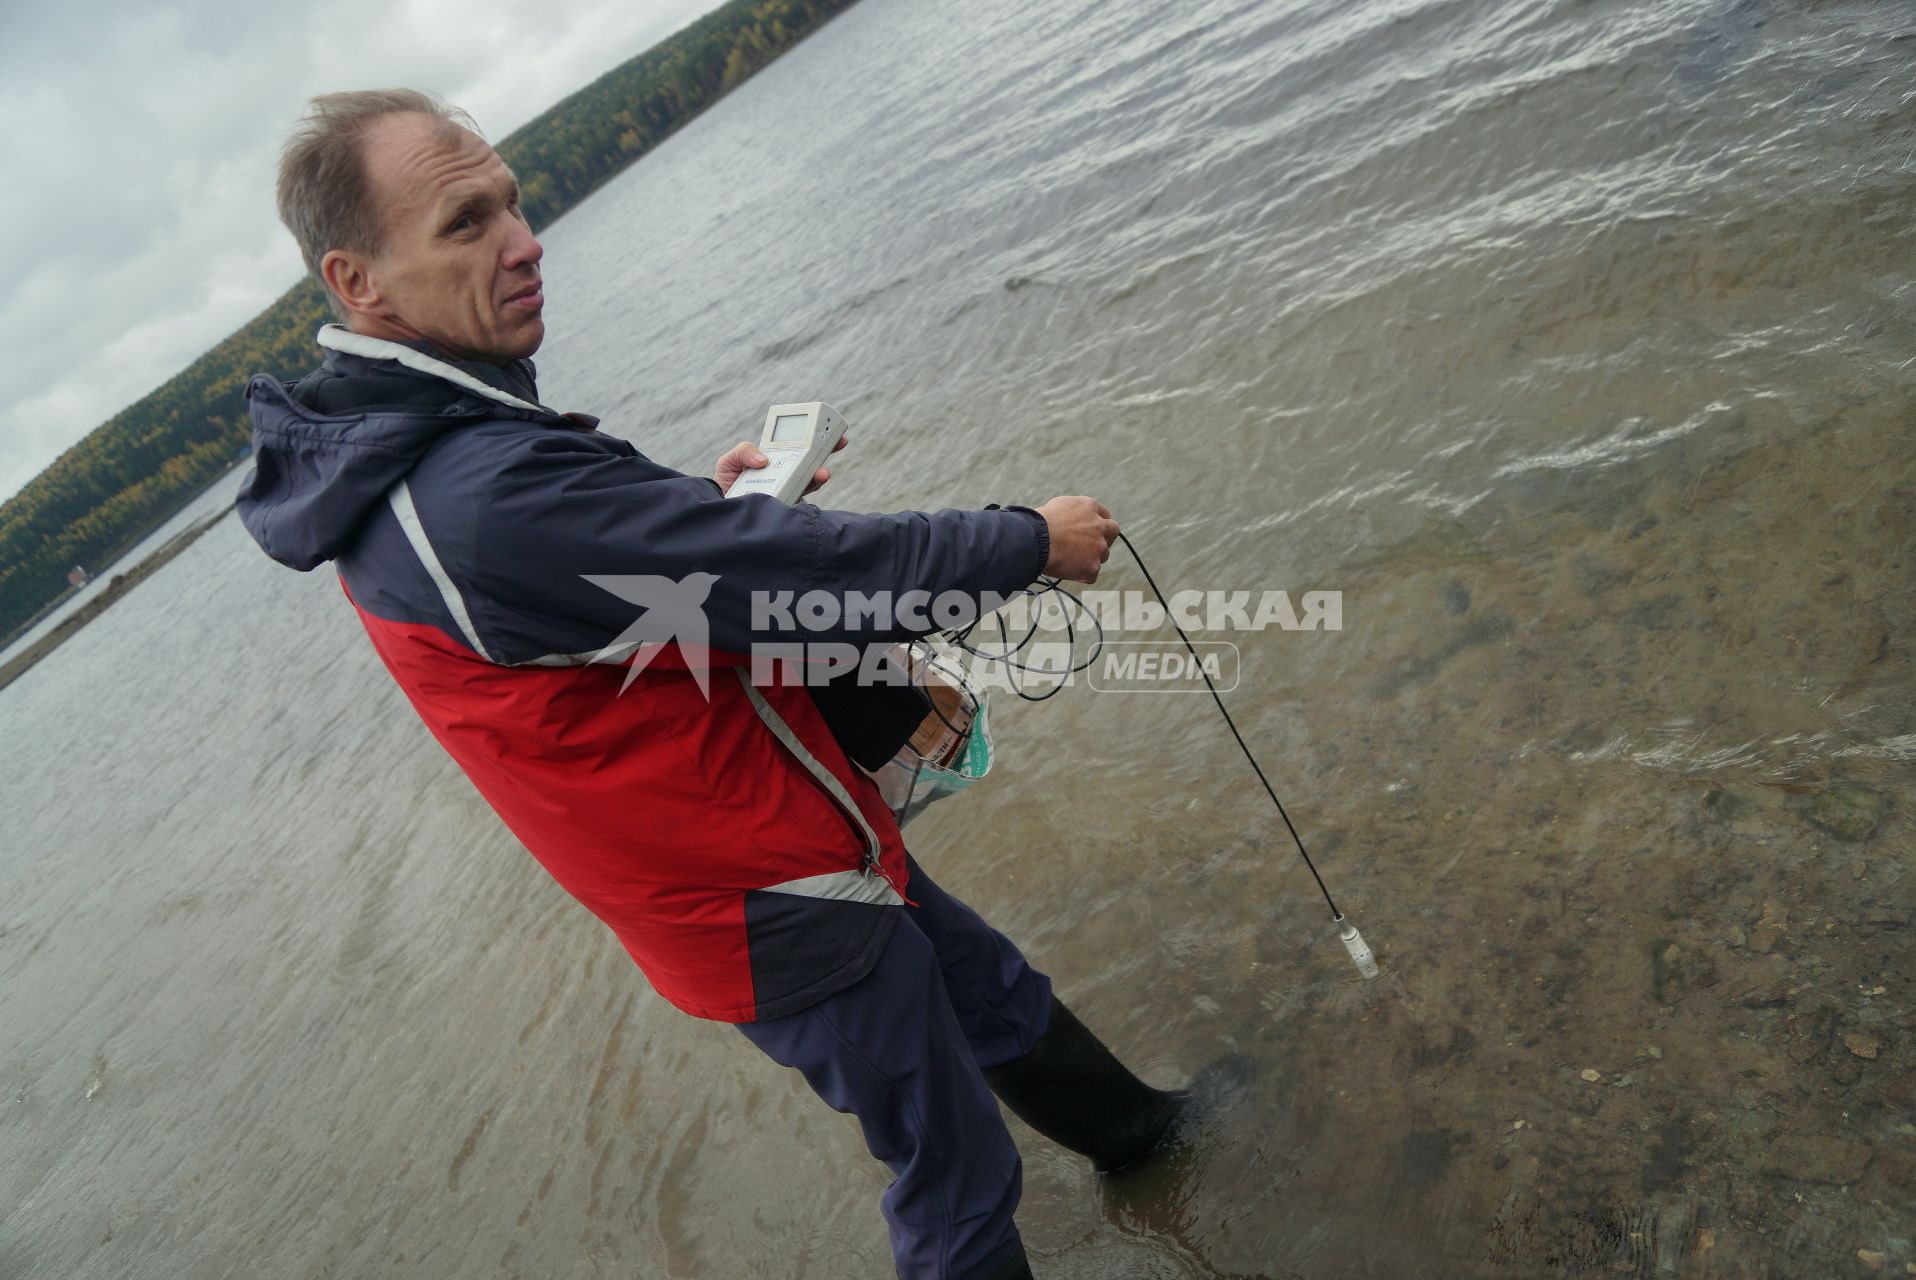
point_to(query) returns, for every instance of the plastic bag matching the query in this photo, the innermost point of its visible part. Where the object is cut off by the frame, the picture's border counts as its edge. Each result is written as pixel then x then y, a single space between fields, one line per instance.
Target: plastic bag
pixel 951 751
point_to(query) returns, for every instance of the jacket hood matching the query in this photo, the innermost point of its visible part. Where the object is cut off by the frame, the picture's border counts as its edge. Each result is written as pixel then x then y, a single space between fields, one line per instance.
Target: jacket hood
pixel 328 447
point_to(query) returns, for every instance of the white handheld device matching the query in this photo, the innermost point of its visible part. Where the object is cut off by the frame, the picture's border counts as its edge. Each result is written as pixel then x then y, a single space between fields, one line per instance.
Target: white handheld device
pixel 796 441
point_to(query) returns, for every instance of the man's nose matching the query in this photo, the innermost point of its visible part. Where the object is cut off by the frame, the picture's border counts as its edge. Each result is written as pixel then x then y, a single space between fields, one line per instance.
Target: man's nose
pixel 522 248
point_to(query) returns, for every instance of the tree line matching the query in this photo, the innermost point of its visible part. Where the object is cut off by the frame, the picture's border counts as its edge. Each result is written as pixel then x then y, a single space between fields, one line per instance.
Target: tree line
pixel 135 470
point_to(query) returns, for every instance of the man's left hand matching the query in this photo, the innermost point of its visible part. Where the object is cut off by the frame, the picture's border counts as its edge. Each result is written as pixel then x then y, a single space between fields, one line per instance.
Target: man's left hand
pixel 745 456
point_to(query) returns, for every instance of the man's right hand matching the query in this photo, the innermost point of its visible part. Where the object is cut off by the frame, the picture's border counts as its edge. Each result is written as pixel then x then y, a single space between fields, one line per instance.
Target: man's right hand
pixel 1082 532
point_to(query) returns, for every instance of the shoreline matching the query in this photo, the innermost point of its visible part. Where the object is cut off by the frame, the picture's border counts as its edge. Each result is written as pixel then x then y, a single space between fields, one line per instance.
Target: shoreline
pixel 124 549
pixel 116 587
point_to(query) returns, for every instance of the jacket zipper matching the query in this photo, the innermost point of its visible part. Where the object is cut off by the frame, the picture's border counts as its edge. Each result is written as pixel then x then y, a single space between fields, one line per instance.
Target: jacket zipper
pixel 870 863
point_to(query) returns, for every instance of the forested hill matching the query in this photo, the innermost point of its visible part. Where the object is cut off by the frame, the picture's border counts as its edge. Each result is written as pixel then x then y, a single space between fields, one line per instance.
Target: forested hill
pixel 129 474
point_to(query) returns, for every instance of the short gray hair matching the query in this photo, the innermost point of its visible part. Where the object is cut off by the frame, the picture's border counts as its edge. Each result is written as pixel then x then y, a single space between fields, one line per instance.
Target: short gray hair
pixel 325 197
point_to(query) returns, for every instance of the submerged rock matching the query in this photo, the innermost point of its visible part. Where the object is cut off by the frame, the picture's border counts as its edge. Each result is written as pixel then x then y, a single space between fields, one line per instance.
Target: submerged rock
pixel 1813 1035
pixel 1726 806
pixel 1771 928
pixel 1809 1157
pixel 1666 970
pixel 1850 813
pixel 1675 971
pixel 1764 993
pixel 1863 1044
pixel 1885 916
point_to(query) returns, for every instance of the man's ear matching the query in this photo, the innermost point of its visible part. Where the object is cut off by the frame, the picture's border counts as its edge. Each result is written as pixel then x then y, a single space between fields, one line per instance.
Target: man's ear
pixel 348 274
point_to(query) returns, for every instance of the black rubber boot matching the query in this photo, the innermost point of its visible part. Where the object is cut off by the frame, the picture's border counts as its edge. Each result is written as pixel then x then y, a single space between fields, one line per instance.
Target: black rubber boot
pixel 1071 1089
pixel 1016 1267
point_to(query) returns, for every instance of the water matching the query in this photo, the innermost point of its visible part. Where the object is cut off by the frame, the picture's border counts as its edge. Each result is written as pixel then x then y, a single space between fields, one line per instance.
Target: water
pixel 206 505
pixel 1571 342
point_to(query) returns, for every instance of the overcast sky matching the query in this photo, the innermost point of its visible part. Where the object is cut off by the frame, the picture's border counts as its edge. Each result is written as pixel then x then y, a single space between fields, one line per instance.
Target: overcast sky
pixel 138 149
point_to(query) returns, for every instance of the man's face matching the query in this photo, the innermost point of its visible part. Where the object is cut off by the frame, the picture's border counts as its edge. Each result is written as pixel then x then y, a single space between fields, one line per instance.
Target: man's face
pixel 459 266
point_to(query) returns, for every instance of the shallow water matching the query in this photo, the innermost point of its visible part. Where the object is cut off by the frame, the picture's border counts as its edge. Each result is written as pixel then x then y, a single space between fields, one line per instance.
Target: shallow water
pixel 201 508
pixel 1570 342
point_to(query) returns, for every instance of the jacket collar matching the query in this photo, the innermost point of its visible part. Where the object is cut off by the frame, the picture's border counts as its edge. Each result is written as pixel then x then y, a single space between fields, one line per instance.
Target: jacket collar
pixel 339 338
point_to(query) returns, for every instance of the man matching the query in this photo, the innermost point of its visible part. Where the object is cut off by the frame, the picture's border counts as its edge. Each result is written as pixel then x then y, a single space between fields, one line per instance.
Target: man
pixel 718 828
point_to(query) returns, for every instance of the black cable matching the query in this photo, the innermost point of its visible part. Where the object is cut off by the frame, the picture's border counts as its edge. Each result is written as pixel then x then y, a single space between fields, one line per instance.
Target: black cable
pixel 960 638
pixel 1268 790
pixel 920 678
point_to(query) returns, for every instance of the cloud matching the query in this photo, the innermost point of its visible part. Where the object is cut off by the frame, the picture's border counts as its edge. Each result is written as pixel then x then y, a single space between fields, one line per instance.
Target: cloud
pixel 144 138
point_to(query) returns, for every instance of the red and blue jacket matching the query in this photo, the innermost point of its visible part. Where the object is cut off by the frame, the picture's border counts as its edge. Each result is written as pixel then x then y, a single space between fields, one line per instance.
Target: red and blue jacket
pixel 715 826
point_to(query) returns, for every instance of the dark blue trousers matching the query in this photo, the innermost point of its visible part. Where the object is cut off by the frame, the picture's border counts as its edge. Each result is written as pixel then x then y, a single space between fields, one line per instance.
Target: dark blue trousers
pixel 902 1050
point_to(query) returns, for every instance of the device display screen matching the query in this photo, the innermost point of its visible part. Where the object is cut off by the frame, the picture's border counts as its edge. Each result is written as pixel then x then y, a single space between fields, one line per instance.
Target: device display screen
pixel 789 428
